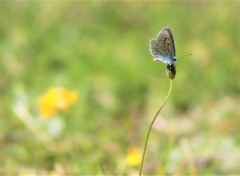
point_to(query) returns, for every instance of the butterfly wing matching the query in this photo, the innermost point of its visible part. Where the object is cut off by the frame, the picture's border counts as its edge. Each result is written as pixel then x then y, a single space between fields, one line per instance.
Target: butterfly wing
pixel 163 47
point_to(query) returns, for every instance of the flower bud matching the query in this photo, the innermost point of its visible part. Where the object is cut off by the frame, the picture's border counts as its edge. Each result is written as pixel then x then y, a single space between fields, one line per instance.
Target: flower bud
pixel 171 71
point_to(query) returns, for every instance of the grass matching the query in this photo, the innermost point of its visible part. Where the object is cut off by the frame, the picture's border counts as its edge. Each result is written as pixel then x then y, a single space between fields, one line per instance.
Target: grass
pixel 101 50
pixel 151 125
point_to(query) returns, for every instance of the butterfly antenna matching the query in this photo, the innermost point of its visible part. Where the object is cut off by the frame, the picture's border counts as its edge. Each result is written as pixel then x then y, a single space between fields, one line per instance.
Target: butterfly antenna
pixel 186 55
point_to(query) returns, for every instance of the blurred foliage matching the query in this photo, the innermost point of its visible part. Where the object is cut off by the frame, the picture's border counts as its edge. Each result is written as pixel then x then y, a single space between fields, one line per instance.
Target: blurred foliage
pixel 101 50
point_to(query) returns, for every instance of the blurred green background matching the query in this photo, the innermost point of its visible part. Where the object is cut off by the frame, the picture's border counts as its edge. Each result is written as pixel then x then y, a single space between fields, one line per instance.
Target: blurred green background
pixel 101 50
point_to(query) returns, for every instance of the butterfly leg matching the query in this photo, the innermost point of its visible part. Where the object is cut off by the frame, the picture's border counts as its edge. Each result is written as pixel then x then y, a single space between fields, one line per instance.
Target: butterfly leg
pixel 157 59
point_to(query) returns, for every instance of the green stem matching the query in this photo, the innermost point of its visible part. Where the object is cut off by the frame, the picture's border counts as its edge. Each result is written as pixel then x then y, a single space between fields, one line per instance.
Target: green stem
pixel 148 134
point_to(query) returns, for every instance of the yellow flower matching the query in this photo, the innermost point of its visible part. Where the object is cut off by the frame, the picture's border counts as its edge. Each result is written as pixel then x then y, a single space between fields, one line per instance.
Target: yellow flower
pixel 134 157
pixel 56 99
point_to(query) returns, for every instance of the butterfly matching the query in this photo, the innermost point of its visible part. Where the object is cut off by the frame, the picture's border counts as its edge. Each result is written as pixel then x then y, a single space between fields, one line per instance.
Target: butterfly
pixel 163 49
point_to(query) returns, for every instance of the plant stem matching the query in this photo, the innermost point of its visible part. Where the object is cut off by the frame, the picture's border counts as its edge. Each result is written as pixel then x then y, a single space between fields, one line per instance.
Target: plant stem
pixel 148 134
